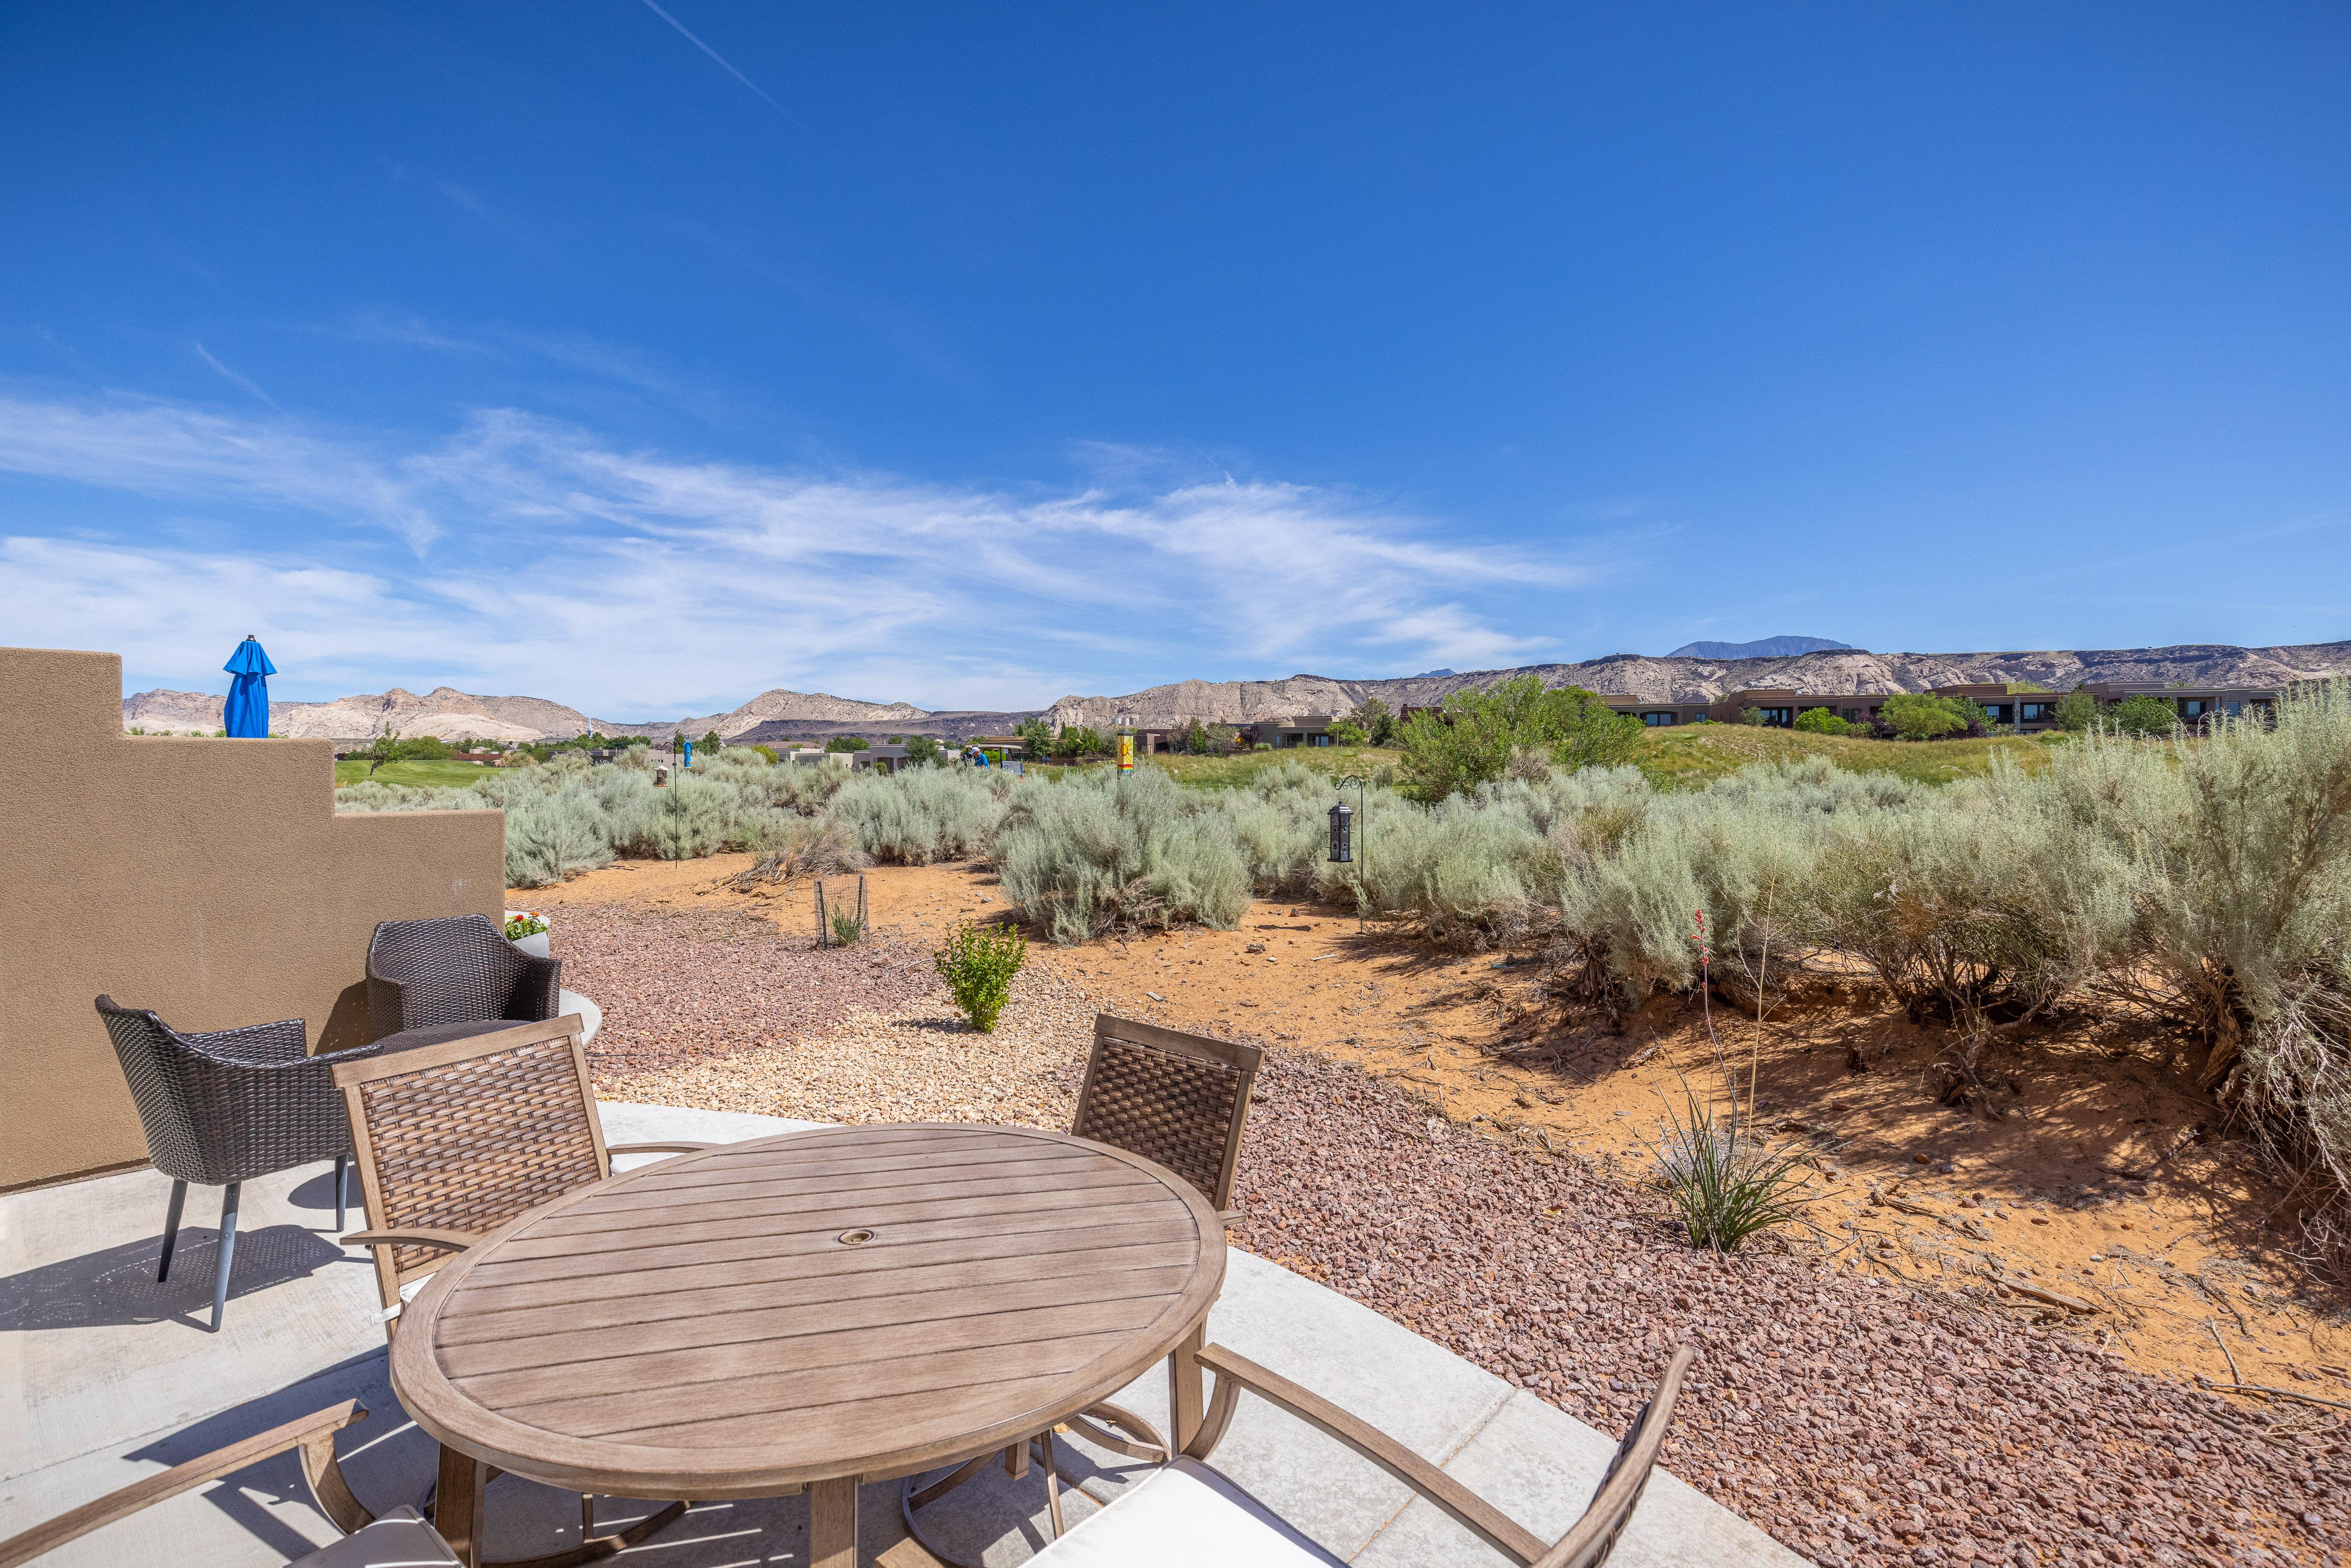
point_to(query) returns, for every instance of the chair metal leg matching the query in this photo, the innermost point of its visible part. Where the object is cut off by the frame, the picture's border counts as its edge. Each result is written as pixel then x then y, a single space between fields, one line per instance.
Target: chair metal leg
pixel 228 1252
pixel 342 1167
pixel 172 1228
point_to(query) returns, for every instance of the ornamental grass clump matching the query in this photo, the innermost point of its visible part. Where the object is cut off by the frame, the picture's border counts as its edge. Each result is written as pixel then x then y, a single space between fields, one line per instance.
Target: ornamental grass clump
pixel 978 964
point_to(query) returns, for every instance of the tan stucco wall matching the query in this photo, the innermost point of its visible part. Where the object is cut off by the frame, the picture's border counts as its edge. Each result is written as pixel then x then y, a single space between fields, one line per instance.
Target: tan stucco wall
pixel 209 880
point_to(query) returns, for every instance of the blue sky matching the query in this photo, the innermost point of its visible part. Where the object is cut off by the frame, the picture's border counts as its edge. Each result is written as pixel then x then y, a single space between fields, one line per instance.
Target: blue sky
pixel 971 355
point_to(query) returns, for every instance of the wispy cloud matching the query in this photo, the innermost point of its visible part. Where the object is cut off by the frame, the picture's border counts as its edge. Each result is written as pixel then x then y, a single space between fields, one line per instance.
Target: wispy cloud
pixel 230 376
pixel 723 62
pixel 544 558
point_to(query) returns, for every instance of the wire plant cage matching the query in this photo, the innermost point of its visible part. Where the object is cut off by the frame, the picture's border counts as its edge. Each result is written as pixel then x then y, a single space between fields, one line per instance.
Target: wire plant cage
pixel 839 923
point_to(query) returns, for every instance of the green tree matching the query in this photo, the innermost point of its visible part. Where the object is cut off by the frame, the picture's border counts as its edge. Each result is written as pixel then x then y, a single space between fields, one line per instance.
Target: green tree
pixel 1921 715
pixel 1077 741
pixel 383 749
pixel 848 743
pixel 1379 726
pixel 2143 715
pixel 424 748
pixel 1822 721
pixel 1194 736
pixel 1754 718
pixel 923 751
pixel 2076 710
pixel 1346 732
pixel 1471 741
pixel 711 742
pixel 1036 737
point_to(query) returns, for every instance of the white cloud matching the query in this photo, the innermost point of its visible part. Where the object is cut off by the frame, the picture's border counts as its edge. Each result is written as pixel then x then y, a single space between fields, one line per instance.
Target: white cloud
pixel 542 559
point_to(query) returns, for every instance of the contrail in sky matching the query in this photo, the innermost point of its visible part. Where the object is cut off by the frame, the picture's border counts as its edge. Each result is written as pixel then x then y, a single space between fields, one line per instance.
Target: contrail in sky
pixel 723 62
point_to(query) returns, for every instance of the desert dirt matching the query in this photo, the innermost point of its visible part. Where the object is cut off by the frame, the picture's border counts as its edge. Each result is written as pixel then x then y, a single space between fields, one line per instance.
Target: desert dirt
pixel 2021 1298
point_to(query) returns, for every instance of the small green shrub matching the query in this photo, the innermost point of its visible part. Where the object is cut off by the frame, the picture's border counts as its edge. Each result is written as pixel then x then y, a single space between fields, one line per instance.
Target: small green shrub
pixel 1754 718
pixel 978 964
pixel 1822 721
pixel 846 927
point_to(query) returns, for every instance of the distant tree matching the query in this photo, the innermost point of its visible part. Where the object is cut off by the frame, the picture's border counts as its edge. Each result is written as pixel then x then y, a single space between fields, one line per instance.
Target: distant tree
pixel 1921 715
pixel 2016 686
pixel 383 749
pixel 424 748
pixel 924 751
pixel 1076 741
pixel 1036 736
pixel 767 751
pixel 1754 716
pixel 1222 738
pixel 1347 732
pixel 1378 724
pixel 848 743
pixel 2076 710
pixel 1822 721
pixel 711 742
pixel 1471 742
pixel 2143 715
pixel 1192 736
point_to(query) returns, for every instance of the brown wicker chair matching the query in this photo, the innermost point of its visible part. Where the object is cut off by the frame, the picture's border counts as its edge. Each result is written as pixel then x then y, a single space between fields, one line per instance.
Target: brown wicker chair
pixel 454 1139
pixel 1190 1512
pixel 435 980
pixel 1181 1099
pixel 398 1540
pixel 222 1108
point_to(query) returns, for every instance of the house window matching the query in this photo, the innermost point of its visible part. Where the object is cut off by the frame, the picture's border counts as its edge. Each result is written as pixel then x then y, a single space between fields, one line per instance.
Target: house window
pixel 1780 716
pixel 2194 709
pixel 2033 713
pixel 1656 720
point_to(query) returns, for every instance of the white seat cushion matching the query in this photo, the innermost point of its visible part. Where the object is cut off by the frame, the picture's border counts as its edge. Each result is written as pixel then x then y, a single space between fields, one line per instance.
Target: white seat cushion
pixel 399 1539
pixel 1185 1516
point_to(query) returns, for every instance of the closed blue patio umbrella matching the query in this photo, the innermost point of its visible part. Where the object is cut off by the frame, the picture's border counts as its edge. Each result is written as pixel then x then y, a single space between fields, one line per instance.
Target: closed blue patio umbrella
pixel 246 713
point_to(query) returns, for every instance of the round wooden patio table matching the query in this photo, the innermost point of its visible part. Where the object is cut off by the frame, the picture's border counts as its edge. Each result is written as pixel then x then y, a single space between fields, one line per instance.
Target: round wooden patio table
pixel 817 1309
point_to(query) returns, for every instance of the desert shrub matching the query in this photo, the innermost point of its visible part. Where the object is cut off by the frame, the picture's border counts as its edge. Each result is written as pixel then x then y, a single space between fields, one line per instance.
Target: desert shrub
pixel 1105 852
pixel 2142 715
pixel 1754 718
pixel 978 962
pixel 1822 721
pixel 922 815
pixel 849 742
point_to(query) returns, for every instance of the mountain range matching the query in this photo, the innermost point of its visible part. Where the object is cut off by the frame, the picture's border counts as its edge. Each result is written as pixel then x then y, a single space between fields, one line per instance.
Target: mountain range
pixel 782 715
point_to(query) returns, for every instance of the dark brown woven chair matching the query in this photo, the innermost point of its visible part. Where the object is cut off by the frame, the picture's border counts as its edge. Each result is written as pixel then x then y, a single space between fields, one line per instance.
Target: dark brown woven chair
pixel 436 980
pixel 398 1540
pixel 221 1108
pixel 1181 1099
pixel 456 1138
pixel 1191 1502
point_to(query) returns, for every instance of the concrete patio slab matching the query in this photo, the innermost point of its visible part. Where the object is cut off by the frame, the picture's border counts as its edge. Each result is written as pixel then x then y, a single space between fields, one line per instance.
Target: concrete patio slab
pixel 116 1378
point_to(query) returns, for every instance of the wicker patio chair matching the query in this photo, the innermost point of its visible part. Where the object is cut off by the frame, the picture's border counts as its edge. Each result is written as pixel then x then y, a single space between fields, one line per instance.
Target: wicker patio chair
pixel 1189 1512
pixel 221 1108
pixel 1181 1099
pixel 436 980
pixel 454 1139
pixel 397 1540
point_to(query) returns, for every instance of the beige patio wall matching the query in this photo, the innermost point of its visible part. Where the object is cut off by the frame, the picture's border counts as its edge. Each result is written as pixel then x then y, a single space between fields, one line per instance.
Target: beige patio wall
pixel 209 880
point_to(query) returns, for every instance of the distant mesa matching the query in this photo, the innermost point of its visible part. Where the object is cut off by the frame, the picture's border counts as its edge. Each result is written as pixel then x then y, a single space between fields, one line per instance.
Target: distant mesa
pixel 1762 648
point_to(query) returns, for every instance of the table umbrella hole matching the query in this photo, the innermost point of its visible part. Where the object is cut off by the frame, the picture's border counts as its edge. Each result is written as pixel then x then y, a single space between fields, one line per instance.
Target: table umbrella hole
pixel 854 1237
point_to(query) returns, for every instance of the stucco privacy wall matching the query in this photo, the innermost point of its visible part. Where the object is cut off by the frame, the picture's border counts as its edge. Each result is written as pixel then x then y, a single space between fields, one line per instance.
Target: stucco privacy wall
pixel 209 880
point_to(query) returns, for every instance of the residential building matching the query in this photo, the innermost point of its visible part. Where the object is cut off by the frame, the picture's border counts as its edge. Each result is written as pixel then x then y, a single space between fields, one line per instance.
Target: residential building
pixel 1283 734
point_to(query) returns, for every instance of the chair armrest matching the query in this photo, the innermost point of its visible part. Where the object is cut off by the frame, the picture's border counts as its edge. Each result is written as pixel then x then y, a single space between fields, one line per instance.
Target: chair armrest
pixel 314 1434
pixel 1480 1517
pixel 538 989
pixel 657 1148
pixel 447 1240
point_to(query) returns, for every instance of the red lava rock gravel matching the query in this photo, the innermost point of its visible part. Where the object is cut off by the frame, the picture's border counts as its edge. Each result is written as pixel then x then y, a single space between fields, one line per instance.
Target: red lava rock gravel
pixel 1858 1420
pixel 688 986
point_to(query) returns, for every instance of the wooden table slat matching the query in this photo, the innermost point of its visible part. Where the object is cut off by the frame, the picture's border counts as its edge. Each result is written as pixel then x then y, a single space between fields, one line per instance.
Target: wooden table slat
pixel 584 1237
pixel 499 1311
pixel 678 1207
pixel 678 1177
pixel 985 1235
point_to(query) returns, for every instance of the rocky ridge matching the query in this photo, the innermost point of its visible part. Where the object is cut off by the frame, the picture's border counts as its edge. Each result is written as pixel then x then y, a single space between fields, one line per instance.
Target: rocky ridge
pixel 782 715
